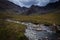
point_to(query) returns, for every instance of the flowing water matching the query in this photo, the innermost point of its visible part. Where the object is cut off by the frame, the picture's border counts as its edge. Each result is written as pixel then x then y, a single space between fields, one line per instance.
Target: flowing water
pixel 37 32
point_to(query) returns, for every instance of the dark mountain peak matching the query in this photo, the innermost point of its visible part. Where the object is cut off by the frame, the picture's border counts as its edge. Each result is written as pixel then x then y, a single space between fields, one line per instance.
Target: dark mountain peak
pixel 54 5
pixel 33 6
pixel 7 5
pixel 50 5
pixel 37 9
pixel 32 9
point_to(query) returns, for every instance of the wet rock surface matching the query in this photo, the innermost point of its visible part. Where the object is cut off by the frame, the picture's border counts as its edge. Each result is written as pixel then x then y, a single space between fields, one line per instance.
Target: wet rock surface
pixel 39 32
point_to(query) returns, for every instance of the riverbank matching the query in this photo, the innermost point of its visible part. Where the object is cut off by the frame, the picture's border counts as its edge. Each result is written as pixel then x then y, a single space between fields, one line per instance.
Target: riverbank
pixel 49 29
pixel 54 26
pixel 12 31
pixel 18 29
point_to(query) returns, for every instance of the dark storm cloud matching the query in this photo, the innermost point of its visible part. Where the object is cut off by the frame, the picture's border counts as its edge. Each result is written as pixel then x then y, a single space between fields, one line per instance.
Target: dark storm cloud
pixel 28 3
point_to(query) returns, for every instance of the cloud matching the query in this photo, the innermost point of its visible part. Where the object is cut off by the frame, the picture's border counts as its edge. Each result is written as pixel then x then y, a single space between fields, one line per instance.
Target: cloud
pixel 28 3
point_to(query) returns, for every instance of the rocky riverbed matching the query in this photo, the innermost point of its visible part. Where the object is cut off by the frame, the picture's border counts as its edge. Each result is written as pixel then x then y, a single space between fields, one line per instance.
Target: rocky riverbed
pixel 38 32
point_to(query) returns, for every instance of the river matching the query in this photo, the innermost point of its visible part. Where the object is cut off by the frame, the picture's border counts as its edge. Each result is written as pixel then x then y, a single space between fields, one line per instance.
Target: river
pixel 37 32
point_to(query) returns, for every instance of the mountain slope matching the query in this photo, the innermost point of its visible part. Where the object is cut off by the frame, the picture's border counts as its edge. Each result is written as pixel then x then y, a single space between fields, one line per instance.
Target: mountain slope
pixel 15 9
pixel 42 10
pixel 9 6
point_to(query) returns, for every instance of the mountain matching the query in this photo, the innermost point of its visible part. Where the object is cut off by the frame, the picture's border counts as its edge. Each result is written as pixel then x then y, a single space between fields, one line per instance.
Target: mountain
pixel 9 6
pixel 42 10
pixel 13 8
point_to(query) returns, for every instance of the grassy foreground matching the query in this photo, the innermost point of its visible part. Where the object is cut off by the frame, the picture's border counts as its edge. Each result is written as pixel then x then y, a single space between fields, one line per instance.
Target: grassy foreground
pixel 13 31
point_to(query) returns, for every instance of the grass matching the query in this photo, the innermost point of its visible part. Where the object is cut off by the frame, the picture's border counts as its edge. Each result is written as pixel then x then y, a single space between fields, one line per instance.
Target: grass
pixel 13 31
pixel 18 29
pixel 50 18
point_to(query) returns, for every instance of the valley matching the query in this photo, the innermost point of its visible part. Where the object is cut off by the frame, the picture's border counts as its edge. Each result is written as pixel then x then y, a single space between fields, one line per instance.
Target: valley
pixel 33 23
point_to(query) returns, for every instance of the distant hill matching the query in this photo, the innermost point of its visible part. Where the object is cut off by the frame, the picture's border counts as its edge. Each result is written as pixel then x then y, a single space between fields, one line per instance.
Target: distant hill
pixel 15 9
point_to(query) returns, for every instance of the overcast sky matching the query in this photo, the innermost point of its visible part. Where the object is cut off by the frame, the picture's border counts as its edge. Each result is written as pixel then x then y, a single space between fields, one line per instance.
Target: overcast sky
pixel 28 3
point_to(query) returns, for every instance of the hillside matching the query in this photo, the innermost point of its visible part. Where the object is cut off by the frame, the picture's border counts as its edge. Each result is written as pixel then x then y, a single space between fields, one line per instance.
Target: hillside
pixel 8 6
pixel 52 17
pixel 12 8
